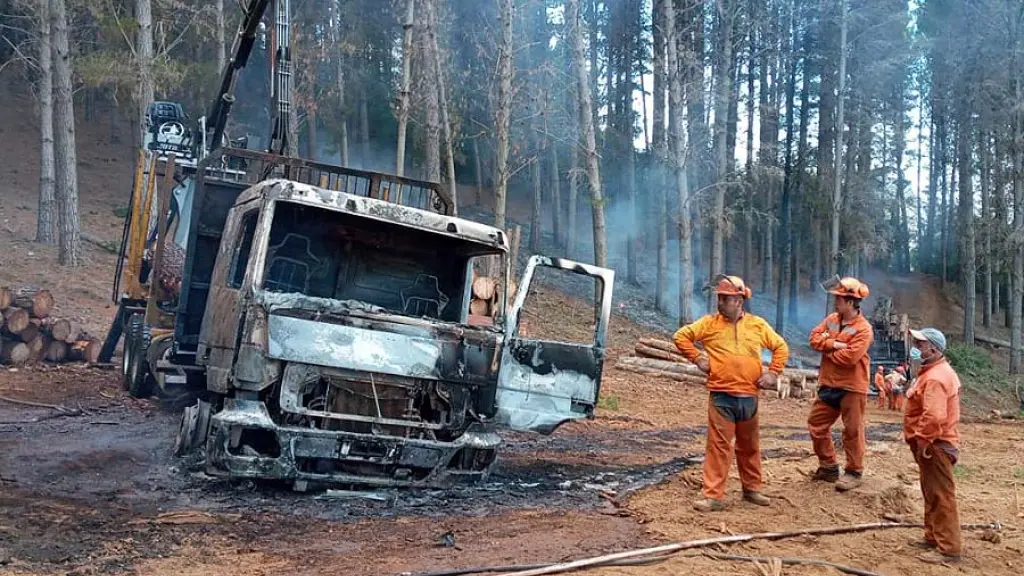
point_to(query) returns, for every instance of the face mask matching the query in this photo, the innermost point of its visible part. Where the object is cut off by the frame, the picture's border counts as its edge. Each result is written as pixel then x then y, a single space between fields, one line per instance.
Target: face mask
pixel 915 354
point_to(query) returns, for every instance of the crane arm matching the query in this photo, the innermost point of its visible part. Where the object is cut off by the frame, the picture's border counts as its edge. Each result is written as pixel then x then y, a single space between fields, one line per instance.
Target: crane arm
pixel 242 48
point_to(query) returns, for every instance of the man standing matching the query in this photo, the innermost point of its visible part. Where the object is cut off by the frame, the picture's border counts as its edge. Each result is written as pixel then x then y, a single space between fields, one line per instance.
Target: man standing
pixel 732 342
pixel 880 387
pixel 843 339
pixel 931 428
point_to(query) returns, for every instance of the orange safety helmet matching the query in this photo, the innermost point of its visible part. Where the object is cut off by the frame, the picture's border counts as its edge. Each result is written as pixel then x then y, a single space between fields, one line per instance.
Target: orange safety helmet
pixel 725 285
pixel 848 287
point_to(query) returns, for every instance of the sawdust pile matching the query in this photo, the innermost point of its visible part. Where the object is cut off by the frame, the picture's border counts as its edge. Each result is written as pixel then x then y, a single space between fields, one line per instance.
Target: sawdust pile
pixel 896 500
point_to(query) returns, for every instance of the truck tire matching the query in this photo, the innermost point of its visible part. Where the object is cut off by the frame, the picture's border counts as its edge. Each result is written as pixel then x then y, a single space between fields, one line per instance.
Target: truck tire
pixel 140 382
pixel 131 330
pixel 194 428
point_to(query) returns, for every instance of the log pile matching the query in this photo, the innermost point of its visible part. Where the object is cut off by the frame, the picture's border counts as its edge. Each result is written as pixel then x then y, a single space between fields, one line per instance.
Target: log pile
pixel 29 333
pixel 661 358
pixel 487 296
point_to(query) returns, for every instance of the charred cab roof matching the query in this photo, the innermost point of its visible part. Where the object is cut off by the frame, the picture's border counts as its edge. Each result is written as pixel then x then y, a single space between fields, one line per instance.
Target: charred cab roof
pixel 290 191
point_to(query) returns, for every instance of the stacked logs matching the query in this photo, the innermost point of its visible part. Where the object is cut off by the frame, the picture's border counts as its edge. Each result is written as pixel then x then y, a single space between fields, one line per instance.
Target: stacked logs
pixel 28 332
pixel 487 296
pixel 660 358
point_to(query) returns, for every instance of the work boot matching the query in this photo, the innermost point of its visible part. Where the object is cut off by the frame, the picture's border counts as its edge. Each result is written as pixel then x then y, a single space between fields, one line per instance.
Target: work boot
pixel 708 505
pixel 936 557
pixel 755 497
pixel 849 481
pixel 923 544
pixel 826 474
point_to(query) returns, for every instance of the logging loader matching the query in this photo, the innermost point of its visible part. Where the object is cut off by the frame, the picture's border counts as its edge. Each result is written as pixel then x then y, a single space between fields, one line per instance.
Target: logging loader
pixel 320 316
pixel 891 345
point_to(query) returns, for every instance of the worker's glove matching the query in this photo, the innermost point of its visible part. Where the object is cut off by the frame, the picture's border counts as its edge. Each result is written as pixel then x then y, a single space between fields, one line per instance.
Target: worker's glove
pixel 837 345
pixel 768 381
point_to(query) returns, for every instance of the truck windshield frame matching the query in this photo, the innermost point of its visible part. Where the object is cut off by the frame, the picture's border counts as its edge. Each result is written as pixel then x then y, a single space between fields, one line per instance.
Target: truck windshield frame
pixel 392 267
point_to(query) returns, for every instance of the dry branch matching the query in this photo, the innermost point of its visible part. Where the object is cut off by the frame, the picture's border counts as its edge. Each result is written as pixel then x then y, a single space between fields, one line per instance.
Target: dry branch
pixel 792 562
pixel 691 544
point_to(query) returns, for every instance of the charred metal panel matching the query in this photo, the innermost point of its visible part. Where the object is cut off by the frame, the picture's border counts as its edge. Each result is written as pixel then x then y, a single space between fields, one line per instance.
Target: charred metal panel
pixel 329 456
pixel 322 344
pixel 543 384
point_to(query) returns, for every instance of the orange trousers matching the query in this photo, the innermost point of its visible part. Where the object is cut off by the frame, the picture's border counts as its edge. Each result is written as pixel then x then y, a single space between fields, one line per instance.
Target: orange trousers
pixel 882 399
pixel 851 408
pixel 722 430
pixel 941 519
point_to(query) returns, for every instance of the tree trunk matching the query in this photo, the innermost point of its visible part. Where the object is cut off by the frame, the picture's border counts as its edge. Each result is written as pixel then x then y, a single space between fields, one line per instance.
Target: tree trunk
pixel 1018 224
pixel 222 54
pixel 723 89
pixel 659 144
pixel 46 222
pixel 404 92
pixel 748 212
pixel 340 72
pixel 503 111
pixel 799 178
pixel 967 263
pixel 984 150
pixel 364 132
pixel 442 96
pixel 786 226
pixel 144 52
pixel 65 156
pixel 556 191
pixel 837 194
pixel 429 85
pixel 589 138
pixel 928 245
pixel 572 202
pixel 677 140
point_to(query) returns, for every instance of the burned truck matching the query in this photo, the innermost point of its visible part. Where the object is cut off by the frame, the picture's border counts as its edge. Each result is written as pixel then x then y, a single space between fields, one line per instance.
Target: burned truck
pixel 323 320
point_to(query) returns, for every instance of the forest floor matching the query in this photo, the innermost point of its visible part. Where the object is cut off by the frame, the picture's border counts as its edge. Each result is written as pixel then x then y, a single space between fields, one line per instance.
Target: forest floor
pixel 100 492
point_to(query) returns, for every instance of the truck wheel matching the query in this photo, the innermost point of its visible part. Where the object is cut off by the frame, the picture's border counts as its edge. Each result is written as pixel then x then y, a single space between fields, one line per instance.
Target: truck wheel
pixel 131 332
pixel 193 429
pixel 140 383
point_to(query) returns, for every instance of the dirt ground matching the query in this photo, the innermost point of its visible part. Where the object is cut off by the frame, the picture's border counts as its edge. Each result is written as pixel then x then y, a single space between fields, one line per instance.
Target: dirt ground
pixel 99 492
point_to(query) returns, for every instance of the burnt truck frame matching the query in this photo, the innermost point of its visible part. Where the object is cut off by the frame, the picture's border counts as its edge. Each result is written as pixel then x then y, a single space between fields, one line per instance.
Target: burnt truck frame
pixel 323 319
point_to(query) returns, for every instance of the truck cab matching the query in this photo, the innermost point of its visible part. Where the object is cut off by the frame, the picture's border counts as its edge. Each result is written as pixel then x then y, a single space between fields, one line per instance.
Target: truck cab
pixel 324 321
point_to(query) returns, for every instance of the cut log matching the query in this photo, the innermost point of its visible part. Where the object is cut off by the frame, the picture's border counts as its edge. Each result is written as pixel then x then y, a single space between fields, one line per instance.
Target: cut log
pixel 30 332
pixel 37 345
pixel 5 297
pixel 479 307
pixel 659 344
pixel 15 353
pixel 39 303
pixel 483 287
pixel 86 350
pixel 649 352
pixel 15 320
pixel 57 351
pixel 626 362
pixel 61 330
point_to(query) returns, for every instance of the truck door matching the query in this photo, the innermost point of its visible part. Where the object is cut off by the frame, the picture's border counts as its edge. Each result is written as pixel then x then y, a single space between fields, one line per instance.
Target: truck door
pixel 544 383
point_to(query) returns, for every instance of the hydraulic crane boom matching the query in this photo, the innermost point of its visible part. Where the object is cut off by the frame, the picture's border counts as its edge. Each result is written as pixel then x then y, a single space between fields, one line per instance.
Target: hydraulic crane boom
pixel 280 82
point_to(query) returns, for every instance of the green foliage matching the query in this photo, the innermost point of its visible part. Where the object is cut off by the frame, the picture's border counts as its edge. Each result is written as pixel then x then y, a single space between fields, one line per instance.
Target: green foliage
pixel 608 403
pixel 970 361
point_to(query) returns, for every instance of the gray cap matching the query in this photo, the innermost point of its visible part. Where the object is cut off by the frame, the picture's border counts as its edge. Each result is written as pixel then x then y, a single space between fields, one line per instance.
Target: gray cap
pixel 932 335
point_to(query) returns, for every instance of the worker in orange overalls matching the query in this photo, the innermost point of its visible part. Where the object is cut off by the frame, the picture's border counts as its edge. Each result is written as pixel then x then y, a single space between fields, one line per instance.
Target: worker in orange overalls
pixel 883 393
pixel 897 390
pixel 732 340
pixel 931 428
pixel 843 339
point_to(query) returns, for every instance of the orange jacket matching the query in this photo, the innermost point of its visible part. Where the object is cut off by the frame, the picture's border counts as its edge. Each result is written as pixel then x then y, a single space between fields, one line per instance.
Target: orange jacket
pixel 848 368
pixel 933 406
pixel 733 350
pixel 880 384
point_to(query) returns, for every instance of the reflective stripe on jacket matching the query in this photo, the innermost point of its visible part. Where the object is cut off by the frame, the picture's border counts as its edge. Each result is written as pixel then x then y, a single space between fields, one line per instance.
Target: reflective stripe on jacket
pixel 848 368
